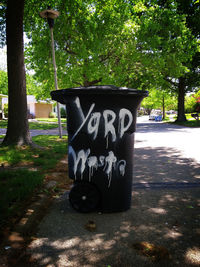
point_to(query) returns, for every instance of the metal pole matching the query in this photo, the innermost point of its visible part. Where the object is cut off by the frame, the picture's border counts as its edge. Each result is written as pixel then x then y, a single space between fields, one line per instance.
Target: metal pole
pixel 50 15
pixel 55 81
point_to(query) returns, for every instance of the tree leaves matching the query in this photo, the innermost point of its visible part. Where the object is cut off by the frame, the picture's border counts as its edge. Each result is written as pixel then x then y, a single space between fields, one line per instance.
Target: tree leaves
pixel 127 43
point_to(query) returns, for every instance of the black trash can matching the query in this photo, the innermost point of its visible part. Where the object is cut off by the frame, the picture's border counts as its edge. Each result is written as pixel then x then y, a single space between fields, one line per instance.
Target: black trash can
pixel 101 122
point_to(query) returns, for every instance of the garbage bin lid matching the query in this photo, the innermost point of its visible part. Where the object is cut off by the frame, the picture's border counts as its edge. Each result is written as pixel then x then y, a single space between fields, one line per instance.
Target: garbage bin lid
pixel 96 90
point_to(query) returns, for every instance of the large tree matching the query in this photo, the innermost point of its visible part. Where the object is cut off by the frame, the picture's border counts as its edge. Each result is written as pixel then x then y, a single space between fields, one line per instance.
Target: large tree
pixel 127 43
pixel 189 80
pixel 86 37
pixel 18 129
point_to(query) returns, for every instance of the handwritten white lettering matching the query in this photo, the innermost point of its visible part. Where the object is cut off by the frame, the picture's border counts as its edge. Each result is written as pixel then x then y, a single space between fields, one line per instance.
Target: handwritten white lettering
pixel 109 127
pixel 109 165
pixel 82 160
pixel 104 124
pixel 93 124
pixel 93 121
pixel 122 115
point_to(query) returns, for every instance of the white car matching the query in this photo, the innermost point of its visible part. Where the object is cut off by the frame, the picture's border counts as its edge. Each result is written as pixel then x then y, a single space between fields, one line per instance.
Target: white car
pixel 155 113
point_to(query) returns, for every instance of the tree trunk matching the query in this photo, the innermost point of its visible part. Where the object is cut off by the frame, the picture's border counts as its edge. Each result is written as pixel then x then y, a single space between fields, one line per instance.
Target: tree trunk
pixel 181 101
pixel 163 106
pixel 18 129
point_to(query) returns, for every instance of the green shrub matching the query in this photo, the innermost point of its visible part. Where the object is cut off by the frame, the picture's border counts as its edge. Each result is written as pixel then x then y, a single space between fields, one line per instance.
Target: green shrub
pixel 190 104
pixel 63 112
pixel 52 115
pixel 5 110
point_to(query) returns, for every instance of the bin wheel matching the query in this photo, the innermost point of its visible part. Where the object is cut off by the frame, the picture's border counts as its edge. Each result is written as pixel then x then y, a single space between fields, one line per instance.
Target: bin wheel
pixel 84 197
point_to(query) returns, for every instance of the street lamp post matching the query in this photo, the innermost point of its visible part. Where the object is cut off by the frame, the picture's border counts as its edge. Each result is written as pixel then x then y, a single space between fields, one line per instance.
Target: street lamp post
pixel 50 15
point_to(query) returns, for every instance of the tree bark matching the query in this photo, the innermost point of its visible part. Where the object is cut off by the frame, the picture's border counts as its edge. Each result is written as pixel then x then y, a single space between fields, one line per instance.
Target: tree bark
pixel 18 129
pixel 181 101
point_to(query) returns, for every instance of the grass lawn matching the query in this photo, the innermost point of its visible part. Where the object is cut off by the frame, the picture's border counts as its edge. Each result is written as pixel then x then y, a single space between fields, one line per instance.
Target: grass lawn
pixel 22 171
pixel 46 158
pixel 63 120
pixel 39 124
pixel 191 122
pixel 42 125
pixel 3 124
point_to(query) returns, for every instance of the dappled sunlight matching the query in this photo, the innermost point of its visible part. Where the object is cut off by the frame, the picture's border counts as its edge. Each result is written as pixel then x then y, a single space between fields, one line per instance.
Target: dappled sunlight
pixel 163 165
pixel 158 210
pixel 192 256
pixel 73 242
pixel 197 176
pixel 50 149
pixel 144 228
pixel 168 198
pixel 167 219
pixel 173 234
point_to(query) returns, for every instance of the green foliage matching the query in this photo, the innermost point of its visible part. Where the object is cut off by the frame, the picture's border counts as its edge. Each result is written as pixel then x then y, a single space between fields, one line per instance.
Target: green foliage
pixel 86 33
pixel 148 45
pixel 52 115
pixel 192 103
pixel 156 98
pixel 15 187
pixel 3 82
pixel 197 101
pixel 3 124
pixel 32 86
pixel 2 23
pixel 189 104
pixel 164 35
pixel 63 112
pixel 140 44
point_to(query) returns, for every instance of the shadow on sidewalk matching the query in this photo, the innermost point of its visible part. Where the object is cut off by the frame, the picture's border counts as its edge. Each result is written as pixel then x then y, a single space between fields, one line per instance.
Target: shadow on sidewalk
pixel 166 217
pixel 161 165
pixel 152 127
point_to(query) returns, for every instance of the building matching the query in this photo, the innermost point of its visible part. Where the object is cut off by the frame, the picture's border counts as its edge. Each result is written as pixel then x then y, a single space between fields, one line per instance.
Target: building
pixel 36 109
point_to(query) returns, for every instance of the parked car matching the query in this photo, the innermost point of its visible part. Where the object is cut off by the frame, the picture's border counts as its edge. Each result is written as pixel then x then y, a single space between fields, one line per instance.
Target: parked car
pixel 171 112
pixel 155 113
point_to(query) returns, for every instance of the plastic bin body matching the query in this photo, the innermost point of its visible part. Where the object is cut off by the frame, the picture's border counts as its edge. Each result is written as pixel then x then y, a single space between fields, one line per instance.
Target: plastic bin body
pixel 158 118
pixel 101 122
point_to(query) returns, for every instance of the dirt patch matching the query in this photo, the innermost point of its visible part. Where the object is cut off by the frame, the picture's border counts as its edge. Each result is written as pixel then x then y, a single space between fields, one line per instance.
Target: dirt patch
pixel 152 251
pixel 59 174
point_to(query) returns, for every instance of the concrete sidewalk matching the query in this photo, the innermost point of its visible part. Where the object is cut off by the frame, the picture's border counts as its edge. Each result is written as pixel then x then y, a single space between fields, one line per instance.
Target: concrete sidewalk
pixel 38 132
pixel 165 212
pixel 166 218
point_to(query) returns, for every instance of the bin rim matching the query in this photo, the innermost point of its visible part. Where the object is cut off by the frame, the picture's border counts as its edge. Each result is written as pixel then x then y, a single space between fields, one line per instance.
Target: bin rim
pixel 98 90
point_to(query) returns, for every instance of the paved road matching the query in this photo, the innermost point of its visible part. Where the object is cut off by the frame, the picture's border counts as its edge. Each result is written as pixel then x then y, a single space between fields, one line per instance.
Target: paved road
pixel 157 134
pixel 39 132
pixel 166 155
